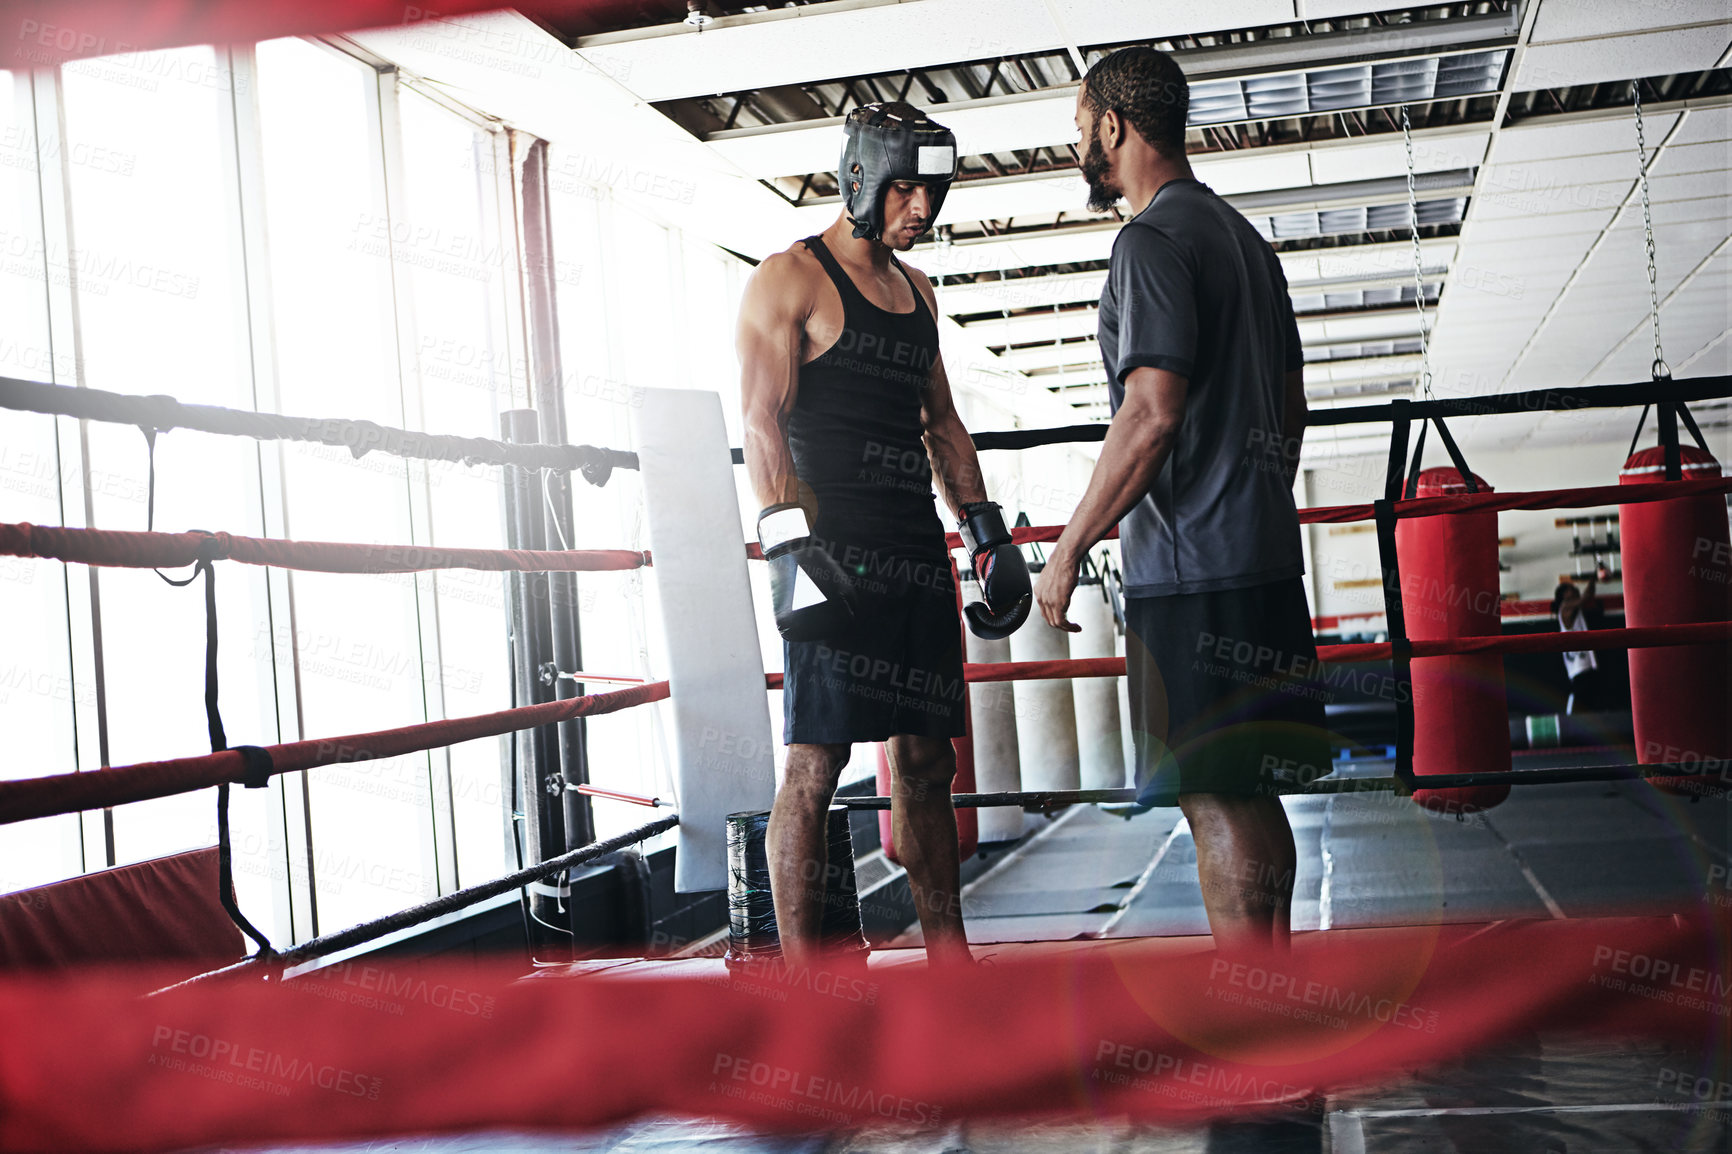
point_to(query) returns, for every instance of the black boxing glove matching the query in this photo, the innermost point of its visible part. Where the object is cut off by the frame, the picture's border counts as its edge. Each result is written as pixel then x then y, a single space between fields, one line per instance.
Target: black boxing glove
pixel 999 567
pixel 807 587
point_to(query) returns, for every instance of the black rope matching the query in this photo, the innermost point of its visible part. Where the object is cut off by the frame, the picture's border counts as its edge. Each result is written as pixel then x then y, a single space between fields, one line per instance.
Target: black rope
pixel 446 904
pixel 1690 423
pixel 1669 441
pixel 218 742
pixel 1640 421
pixel 226 877
pixel 1455 457
pixel 257 762
pixel 1532 401
pixel 1411 489
pixel 161 413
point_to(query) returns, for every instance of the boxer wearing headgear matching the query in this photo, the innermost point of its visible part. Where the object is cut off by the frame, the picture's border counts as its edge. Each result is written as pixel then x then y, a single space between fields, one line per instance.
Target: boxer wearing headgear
pixel 849 424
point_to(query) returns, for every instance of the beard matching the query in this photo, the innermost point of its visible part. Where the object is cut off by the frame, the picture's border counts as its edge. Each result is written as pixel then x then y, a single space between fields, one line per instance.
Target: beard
pixel 1096 169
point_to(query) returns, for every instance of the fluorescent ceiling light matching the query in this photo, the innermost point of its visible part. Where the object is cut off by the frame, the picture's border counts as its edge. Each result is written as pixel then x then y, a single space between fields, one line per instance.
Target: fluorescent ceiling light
pixel 1286 94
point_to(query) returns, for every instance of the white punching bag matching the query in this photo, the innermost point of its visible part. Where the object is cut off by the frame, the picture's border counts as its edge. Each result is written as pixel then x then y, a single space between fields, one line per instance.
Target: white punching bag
pixel 1100 738
pixel 1045 710
pixel 992 712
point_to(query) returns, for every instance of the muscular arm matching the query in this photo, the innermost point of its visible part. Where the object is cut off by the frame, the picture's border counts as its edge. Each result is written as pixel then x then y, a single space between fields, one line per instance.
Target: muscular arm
pixel 955 464
pixel 1293 424
pixel 1137 446
pixel 771 328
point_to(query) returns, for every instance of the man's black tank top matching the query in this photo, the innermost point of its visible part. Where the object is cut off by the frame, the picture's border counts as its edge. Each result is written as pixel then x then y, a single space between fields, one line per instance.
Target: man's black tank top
pixel 855 430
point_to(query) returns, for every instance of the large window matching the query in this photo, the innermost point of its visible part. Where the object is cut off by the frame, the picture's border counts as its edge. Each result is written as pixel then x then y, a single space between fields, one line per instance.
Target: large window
pixel 289 228
pixel 156 273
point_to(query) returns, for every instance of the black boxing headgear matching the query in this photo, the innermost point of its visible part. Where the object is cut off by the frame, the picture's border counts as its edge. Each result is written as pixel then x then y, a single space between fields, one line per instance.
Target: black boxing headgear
pixel 884 143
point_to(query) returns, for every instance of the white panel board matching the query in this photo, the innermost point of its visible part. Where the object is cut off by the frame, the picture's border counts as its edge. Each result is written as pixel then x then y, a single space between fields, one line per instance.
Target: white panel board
pixel 722 760
pixel 1051 356
pixel 1542 141
pixel 1701 124
pixel 1572 62
pixel 1710 156
pixel 1329 9
pixel 1020 293
pixel 1000 201
pixel 1028 327
pixel 1541 198
pixel 1581 19
pixel 1118 21
pixel 1253 173
pixel 820 42
pixel 1004 125
pixel 1016 252
pixel 1369 160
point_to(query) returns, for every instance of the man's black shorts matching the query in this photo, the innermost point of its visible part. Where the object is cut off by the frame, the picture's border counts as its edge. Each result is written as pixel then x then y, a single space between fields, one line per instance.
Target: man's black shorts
pixel 897 669
pixel 1225 692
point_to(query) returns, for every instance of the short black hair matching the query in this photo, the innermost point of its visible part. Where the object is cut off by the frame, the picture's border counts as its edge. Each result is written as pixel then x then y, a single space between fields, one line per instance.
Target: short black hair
pixel 1146 87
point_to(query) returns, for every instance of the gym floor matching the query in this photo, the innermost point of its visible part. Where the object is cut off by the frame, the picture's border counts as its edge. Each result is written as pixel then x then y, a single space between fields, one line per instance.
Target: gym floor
pixel 1364 860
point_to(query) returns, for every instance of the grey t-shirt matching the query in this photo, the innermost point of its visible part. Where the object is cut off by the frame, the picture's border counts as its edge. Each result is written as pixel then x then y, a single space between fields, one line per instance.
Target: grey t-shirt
pixel 1194 289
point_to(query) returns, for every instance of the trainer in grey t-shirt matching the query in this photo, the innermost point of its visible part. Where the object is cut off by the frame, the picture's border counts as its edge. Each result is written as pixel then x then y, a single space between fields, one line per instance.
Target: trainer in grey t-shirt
pixel 1195 290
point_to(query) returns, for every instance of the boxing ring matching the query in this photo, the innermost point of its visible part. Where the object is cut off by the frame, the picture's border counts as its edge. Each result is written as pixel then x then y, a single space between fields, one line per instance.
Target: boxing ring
pixel 1152 1029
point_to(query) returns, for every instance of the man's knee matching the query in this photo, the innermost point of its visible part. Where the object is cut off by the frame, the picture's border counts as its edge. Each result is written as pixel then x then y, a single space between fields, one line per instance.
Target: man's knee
pixel 923 767
pixel 819 766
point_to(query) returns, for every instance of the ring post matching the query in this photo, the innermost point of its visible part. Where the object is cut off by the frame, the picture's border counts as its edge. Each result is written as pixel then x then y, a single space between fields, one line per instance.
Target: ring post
pixel 539 795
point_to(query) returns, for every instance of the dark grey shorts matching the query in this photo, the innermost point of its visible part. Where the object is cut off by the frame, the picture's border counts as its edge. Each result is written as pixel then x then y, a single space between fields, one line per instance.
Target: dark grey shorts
pixel 1225 692
pixel 896 670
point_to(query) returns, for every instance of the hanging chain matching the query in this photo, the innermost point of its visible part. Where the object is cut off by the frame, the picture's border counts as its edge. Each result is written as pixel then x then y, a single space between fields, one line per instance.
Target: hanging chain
pixel 1418 273
pixel 1659 369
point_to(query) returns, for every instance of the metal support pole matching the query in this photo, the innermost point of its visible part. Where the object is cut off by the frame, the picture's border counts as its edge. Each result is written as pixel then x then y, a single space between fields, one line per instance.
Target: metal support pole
pixel 541 787
pixel 547 375
pixel 1394 616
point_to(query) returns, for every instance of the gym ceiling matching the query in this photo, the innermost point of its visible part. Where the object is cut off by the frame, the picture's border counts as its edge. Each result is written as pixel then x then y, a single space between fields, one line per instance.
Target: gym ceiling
pixel 1533 263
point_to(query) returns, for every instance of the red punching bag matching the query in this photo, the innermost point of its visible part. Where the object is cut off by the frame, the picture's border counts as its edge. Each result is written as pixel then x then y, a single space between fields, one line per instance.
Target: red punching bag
pixel 1449 589
pixel 967 820
pixel 1675 572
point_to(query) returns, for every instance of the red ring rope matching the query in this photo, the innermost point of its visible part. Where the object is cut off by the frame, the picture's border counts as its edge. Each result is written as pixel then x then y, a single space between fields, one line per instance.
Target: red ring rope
pixel 1153 1029
pixel 1653 636
pixel 1461 503
pixel 71 792
pixel 98 788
